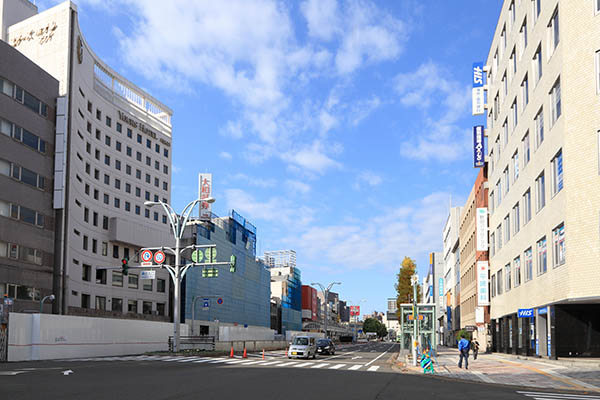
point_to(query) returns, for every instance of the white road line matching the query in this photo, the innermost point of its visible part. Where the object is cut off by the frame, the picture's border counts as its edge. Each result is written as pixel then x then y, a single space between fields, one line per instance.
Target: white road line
pixel 301 365
pixel 203 360
pixel 257 362
pixel 288 364
pixel 378 357
pixel 337 366
pixel 171 359
pixel 220 360
pixel 273 363
pixel 236 362
pixel 373 368
pixel 190 359
pixel 355 367
pixel 320 365
pixel 544 395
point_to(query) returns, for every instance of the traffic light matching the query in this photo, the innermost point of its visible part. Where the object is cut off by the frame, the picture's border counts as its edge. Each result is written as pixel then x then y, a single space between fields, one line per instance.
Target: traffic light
pixel 210 272
pixel 125 266
pixel 232 262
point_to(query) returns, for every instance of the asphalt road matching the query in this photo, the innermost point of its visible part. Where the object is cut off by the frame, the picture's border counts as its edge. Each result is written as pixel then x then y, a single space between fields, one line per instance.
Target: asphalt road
pixel 355 372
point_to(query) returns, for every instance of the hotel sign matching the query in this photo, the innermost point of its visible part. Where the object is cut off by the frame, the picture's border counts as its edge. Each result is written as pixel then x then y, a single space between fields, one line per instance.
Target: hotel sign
pixel 481 229
pixel 140 125
pixel 478 92
pixel 483 295
pixel 205 191
pixel 478 147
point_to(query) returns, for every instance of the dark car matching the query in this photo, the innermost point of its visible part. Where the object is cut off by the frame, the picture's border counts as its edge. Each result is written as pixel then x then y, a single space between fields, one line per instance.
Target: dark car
pixel 325 346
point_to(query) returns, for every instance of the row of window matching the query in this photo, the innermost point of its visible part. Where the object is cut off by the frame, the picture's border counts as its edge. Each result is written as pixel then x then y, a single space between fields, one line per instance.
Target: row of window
pixel 117 279
pixel 21 213
pixel 511 275
pixel 19 292
pixel 24 97
pixel 21 253
pixel 22 135
pixel 21 174
pixel 117 305
pixel 138 175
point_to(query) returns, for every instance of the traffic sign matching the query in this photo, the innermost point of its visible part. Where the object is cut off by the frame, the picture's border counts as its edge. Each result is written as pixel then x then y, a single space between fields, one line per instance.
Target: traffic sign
pixel 205 304
pixel 220 300
pixel 146 258
pixel 419 317
pixel 197 256
pixel 159 257
pixel 148 274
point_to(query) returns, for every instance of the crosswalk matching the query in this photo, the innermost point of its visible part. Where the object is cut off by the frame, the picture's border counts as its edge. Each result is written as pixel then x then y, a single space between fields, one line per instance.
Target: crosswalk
pixel 558 396
pixel 269 362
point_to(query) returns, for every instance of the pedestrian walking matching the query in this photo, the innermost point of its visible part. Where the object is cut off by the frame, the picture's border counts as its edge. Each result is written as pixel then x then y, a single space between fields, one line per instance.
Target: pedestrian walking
pixel 475 347
pixel 463 347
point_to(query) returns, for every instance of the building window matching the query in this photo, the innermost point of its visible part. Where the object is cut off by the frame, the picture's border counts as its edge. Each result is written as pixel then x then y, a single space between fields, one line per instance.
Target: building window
pixel 161 285
pixel 95 218
pixel 148 143
pixel 138 156
pixel 128 169
pixel 504 85
pixel 148 161
pixel 117 304
pixel 526 149
pixel 108 121
pixel 523 37
pixel 146 307
pixel 527 207
pixel 536 8
pixel 85 300
pixel 115 251
pixel 499 192
pixel 165 169
pixel 160 309
pixel 104 249
pixel 500 283
pixel 507 276
pixel 506 176
pixel 527 255
pixel 105 222
pixel 137 210
pixel 553 28
pixel 157 165
pixel 517 268
pixel 557 173
pixel 506 228
pixel 156 182
pixel 94 246
pixel 129 133
pixel 100 303
pixel 147 195
pixel 128 151
pixel 499 236
pixel 492 244
pixel 556 103
pixel 515 165
pixel 117 165
pixel 493 285
pixel 106 179
pixel 106 199
pixel 138 174
pixel 146 213
pixel 558 245
pixel 540 191
pixel 598 71
pixel 126 252
pixel 119 127
pixel 155 216
pixel 537 64
pixel 139 138
pixel 148 178
pixel 117 278
pixel 133 281
pixel 166 152
pixel 597 6
pixel 132 306
pixel 117 202
pixel 525 91
pixel 542 261
pixel 503 41
pixel 515 114
pixel 491 202
pixel 516 218
pixel 86 273
pixel 85 242
pixel 147 284
pixel 165 186
pixel 100 276
pixel 539 128
pixel 127 206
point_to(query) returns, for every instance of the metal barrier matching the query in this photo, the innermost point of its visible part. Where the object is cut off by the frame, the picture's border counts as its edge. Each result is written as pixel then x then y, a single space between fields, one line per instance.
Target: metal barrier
pixel 208 342
pixel 3 343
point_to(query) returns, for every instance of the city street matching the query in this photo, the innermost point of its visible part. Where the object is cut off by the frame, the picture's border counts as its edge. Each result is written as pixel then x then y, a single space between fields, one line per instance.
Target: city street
pixel 356 372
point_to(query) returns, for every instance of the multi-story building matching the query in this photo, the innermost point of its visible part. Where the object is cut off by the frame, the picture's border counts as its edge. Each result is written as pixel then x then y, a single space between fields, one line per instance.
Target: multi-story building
pixel 286 287
pixel 451 265
pixel 27 109
pixel 241 297
pixel 433 290
pixel 473 243
pixel 280 258
pixel 112 153
pixel 543 131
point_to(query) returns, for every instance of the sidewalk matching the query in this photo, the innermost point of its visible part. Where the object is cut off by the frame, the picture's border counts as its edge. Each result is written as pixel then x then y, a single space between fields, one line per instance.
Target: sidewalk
pixel 510 370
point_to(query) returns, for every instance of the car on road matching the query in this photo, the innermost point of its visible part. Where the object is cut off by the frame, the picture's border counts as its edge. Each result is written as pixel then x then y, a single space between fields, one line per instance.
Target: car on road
pixel 325 346
pixel 303 347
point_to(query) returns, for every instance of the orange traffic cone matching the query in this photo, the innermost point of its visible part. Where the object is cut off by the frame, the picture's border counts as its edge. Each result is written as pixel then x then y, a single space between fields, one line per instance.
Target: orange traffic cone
pixel 231 352
pixel 263 354
pixel 245 354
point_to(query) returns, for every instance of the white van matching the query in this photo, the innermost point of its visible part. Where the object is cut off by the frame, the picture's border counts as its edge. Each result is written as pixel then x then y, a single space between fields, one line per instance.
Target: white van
pixel 303 347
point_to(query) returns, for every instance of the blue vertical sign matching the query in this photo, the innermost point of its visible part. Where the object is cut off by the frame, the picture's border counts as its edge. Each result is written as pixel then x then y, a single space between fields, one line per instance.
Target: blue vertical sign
pixel 478 147
pixel 441 292
pixel 478 98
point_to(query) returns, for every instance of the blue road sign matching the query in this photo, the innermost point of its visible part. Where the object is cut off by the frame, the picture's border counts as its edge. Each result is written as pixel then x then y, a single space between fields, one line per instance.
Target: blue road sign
pixel 205 303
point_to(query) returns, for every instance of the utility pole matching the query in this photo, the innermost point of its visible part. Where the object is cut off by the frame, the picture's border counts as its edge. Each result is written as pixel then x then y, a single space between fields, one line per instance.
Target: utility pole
pixel 326 298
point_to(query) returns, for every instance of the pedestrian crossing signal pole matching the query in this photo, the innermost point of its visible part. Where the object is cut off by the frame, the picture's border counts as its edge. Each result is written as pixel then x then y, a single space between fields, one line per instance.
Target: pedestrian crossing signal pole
pixel 415 281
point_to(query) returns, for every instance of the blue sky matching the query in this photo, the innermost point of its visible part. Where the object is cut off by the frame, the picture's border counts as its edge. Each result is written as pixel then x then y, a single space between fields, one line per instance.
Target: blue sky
pixel 340 129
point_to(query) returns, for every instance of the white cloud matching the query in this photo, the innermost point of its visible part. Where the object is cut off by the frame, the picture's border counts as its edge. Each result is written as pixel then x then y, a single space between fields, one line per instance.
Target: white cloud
pixel 312 158
pixel 322 18
pixel 254 181
pixel 225 155
pixel 431 89
pixel 368 178
pixel 297 187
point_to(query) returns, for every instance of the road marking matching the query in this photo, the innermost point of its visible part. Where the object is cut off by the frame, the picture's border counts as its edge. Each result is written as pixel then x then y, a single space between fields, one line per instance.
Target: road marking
pixel 273 363
pixel 545 395
pixel 320 365
pixel 190 359
pixel 220 360
pixel 171 359
pixel 373 368
pixel 356 357
pixel 303 365
pixel 288 364
pixel 11 373
pixel 257 362
pixel 236 362
pixel 355 367
pixel 378 357
pixel 203 360
pixel 67 372
pixel 337 366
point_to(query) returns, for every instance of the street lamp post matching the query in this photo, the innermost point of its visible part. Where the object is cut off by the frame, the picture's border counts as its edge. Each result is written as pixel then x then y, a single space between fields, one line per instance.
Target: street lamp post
pixel 50 297
pixel 326 298
pixel 178 224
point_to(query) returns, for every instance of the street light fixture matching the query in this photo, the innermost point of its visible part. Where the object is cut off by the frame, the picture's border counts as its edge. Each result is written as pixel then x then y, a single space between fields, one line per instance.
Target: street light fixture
pixel 50 297
pixel 178 224
pixel 326 298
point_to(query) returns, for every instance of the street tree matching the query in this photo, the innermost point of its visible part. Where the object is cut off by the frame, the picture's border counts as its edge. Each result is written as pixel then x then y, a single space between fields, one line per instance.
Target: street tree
pixel 373 325
pixel 403 285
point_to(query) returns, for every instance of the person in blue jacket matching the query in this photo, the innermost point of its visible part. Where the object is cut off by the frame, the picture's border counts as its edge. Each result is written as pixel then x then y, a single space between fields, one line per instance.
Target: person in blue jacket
pixel 463 347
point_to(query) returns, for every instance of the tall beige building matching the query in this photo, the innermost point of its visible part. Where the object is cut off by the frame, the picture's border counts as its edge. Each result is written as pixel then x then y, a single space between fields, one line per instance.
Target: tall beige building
pixel 544 177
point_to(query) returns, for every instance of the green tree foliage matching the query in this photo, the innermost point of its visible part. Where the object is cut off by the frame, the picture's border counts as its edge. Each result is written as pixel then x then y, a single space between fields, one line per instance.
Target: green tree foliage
pixel 373 325
pixel 403 286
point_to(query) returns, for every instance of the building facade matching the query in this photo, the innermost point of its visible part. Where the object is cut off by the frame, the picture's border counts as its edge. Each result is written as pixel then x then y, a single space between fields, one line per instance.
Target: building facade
pixel 27 111
pixel 433 287
pixel 543 74
pixel 451 273
pixel 112 153
pixel 474 291
pixel 286 286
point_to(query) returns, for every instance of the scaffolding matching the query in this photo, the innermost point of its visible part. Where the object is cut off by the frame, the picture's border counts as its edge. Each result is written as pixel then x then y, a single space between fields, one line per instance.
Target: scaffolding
pixel 280 258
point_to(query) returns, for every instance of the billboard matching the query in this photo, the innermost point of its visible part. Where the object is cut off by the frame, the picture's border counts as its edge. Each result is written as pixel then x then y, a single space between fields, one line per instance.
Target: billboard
pixel 204 192
pixel 354 311
pixel 481 229
pixel 483 295
pixel 478 147
pixel 478 92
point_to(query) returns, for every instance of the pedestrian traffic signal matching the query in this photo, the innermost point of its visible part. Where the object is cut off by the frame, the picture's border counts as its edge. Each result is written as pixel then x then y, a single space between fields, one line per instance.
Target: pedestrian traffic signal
pixel 125 266
pixel 232 262
pixel 210 272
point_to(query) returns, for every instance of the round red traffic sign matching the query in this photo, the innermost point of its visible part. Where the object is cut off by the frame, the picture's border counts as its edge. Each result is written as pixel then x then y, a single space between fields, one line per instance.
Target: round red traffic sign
pixel 146 256
pixel 219 300
pixel 159 257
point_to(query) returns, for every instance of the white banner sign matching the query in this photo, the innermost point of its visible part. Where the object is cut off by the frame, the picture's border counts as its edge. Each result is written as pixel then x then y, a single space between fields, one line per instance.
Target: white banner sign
pixel 478 92
pixel 483 295
pixel 481 229
pixel 204 192
pixel 479 315
pixel 148 274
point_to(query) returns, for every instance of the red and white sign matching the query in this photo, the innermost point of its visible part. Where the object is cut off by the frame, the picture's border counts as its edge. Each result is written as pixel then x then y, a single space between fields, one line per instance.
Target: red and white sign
pixel 159 257
pixel 146 258
pixel 354 311
pixel 204 192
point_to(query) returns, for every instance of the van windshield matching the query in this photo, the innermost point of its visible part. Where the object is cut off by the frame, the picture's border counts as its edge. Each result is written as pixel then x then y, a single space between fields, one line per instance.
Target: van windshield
pixel 301 341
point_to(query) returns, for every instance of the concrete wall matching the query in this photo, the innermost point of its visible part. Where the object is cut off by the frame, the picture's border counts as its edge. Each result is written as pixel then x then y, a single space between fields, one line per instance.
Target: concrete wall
pixel 45 336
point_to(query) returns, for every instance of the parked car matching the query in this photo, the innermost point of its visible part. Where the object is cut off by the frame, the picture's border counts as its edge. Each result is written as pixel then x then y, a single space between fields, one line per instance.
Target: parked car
pixel 325 346
pixel 303 347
